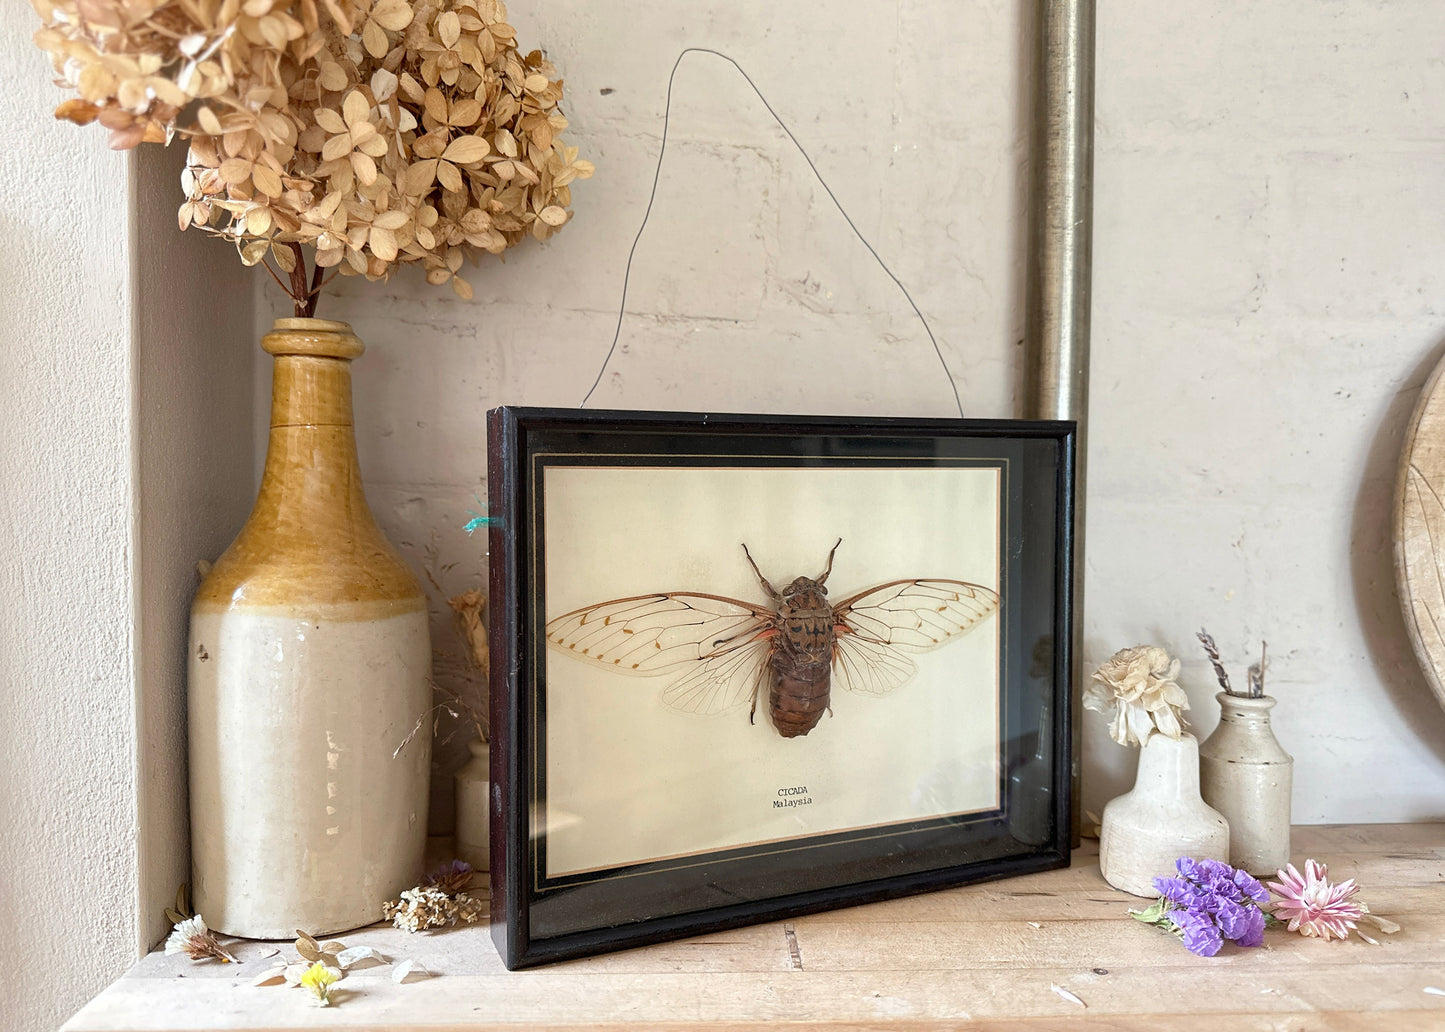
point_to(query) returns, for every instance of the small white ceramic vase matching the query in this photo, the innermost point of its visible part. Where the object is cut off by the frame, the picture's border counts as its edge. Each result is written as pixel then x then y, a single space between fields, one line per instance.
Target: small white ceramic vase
pixel 1161 819
pixel 472 807
pixel 1247 776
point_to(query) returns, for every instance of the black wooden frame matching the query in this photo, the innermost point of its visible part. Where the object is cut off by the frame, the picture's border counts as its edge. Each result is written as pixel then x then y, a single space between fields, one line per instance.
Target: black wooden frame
pixel 959 852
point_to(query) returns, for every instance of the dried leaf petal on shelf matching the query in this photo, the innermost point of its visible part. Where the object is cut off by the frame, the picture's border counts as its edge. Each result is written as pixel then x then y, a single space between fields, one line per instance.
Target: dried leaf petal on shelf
pixel 1384 924
pixel 409 968
pixel 354 955
pixel 1065 994
pixel 307 947
pixel 275 975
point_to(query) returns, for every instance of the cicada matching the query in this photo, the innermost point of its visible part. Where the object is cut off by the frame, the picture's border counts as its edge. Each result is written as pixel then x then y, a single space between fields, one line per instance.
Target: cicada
pixel 725 651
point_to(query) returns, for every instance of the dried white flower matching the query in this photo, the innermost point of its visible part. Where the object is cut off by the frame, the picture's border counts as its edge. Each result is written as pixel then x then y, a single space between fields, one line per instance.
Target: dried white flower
pixel 1140 686
pixel 430 907
pixel 195 940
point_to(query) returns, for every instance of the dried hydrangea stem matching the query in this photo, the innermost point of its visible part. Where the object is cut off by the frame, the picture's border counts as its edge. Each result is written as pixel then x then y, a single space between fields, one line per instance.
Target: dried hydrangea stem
pixel 314 294
pixel 297 289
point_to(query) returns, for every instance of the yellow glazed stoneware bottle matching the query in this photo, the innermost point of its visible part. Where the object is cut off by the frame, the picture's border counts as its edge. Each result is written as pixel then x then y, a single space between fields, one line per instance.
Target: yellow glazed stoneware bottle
pixel 310 668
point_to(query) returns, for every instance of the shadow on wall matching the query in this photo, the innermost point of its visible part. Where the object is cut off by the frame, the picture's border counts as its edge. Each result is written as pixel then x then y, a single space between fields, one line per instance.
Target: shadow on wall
pixel 1372 566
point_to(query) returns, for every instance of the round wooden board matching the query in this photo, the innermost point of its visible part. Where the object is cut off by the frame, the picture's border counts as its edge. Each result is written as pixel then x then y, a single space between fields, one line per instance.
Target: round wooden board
pixel 1420 530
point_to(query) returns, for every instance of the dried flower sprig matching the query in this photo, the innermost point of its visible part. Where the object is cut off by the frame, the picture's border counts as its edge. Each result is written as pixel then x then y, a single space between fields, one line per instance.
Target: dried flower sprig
pixel 429 907
pixel 375 134
pixel 1207 905
pixel 335 957
pixel 196 941
pixel 315 952
pixel 451 877
pixel 1212 651
pixel 319 979
pixel 1256 670
pixel 1314 906
pixel 463 687
pixel 1139 685
pixel 468 611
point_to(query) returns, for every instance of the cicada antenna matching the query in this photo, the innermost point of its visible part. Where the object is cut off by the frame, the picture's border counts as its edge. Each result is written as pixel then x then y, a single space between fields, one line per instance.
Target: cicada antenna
pixel 824 575
pixel 772 592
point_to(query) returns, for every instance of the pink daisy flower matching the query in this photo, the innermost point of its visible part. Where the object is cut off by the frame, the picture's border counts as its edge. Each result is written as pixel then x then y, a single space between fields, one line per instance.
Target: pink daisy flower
pixel 1313 906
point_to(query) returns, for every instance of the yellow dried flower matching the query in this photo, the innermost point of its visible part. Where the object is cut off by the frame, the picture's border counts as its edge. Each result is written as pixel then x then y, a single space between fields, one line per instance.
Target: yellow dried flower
pixel 376 134
pixel 319 979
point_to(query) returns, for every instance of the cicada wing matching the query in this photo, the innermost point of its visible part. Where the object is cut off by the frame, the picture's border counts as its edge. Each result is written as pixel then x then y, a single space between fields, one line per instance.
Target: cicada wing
pixel 868 667
pixel 916 615
pixel 721 644
pixel 722 682
pixel 875 628
pixel 650 634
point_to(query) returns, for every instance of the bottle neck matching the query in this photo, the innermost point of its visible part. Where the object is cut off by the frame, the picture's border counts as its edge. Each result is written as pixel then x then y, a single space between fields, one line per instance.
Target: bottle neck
pixel 312 477
pixel 1170 765
pixel 1243 709
pixel 310 390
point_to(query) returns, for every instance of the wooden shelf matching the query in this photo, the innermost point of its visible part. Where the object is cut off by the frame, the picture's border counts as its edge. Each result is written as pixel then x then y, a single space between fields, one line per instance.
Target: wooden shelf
pixel 984 956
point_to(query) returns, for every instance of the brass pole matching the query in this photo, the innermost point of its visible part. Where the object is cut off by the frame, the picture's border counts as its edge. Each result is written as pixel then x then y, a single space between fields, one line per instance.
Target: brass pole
pixel 1056 317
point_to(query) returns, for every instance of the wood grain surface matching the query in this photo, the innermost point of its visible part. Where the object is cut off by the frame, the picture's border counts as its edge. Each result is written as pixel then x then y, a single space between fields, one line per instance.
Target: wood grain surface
pixel 983 956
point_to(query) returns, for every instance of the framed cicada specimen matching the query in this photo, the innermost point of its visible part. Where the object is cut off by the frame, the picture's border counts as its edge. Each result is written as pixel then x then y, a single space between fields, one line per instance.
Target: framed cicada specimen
pixel 748 667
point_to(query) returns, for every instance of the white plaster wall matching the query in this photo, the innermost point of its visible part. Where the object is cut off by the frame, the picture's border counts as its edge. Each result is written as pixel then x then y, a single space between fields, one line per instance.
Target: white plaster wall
pixel 193 357
pixel 1269 270
pixel 68 862
pixel 748 292
pixel 125 359
pixel 1267 298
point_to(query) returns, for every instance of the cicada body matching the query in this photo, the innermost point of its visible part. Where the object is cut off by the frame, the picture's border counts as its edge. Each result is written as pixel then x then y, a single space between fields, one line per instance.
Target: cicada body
pixel 800 662
pixel 724 652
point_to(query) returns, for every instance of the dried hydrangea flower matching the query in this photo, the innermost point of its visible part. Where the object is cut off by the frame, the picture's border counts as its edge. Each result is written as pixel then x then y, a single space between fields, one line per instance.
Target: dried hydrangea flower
pixel 375 134
pixel 1314 906
pixel 319 979
pixel 196 941
pixel 1140 686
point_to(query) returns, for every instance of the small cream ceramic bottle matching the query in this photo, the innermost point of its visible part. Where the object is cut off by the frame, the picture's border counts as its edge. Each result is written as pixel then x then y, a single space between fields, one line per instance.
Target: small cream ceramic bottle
pixel 473 787
pixel 1246 775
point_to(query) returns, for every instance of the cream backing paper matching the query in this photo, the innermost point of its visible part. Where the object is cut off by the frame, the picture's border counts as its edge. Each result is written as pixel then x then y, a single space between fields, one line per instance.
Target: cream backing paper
pixel 630 779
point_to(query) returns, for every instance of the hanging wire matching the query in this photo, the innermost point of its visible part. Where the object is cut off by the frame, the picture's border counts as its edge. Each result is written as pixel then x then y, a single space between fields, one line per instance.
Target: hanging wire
pixel 657 175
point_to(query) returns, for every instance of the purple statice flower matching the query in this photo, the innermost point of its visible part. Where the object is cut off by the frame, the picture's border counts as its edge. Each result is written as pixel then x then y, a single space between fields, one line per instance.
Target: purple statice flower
pixel 1209 904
